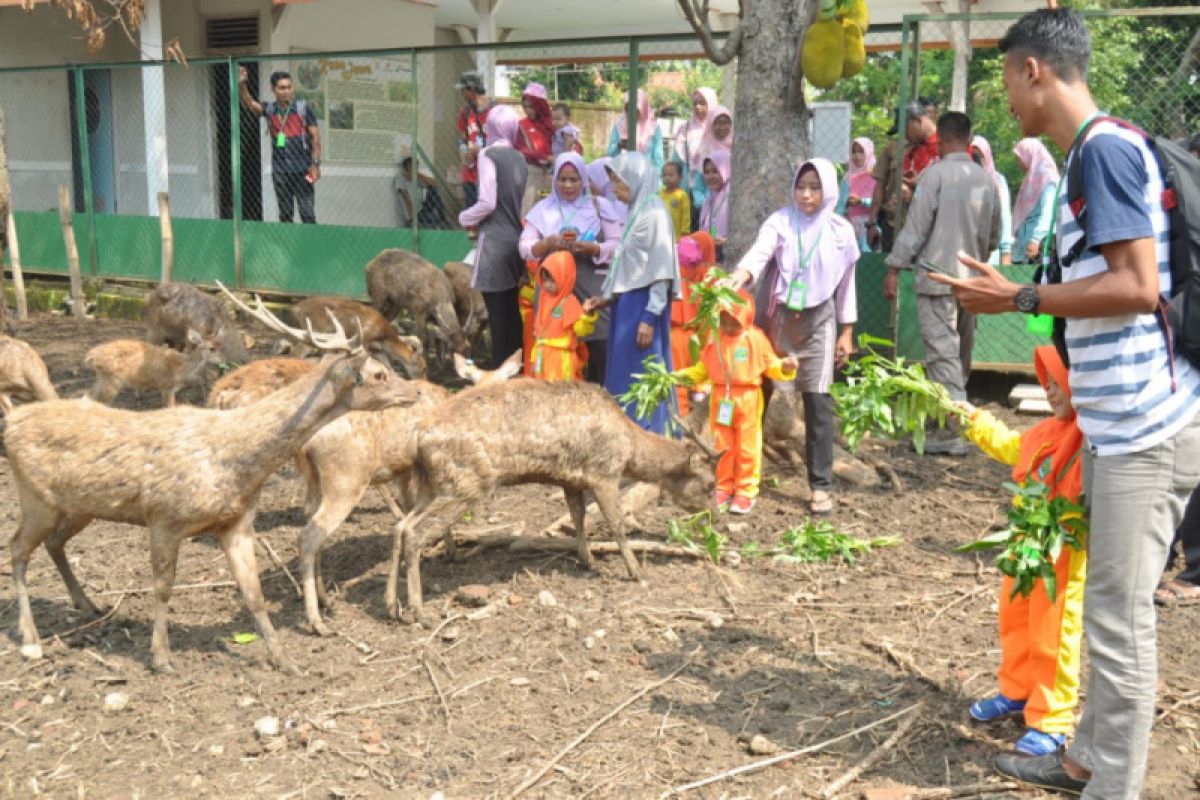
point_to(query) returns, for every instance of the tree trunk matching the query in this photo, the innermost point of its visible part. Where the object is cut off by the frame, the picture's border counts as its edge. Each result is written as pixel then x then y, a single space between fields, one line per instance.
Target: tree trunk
pixel 772 119
pixel 5 205
pixel 960 40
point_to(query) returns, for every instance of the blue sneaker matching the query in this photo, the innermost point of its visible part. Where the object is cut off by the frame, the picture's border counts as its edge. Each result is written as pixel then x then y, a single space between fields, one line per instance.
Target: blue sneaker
pixel 994 708
pixel 1036 743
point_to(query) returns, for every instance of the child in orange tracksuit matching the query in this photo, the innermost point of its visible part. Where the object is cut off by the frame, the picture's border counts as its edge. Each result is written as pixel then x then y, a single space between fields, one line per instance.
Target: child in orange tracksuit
pixel 1039 638
pixel 696 254
pixel 558 321
pixel 735 361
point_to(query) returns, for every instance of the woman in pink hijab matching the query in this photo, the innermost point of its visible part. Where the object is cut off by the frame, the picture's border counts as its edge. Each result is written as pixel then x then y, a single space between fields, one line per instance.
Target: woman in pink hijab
pixel 981 154
pixel 714 213
pixel 649 135
pixel 854 193
pixel 1034 209
pixel 689 149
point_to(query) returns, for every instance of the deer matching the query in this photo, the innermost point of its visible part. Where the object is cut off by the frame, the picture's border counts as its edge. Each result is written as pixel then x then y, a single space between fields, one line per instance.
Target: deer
pixel 143 366
pixel 398 279
pixel 377 331
pixel 23 374
pixel 254 381
pixel 179 472
pixel 174 308
pixel 567 434
pixel 468 301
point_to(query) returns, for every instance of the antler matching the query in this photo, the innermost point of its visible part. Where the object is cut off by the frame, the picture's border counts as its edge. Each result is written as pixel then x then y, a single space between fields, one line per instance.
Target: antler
pixel 328 342
pixel 691 434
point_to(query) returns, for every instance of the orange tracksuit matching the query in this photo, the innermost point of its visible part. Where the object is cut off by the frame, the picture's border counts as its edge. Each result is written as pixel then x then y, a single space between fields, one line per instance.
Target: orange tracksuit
pixel 683 312
pixel 558 323
pixel 736 366
pixel 1039 639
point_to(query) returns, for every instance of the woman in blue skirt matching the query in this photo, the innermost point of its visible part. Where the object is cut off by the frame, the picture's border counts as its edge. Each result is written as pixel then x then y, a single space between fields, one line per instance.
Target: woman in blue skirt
pixel 642 281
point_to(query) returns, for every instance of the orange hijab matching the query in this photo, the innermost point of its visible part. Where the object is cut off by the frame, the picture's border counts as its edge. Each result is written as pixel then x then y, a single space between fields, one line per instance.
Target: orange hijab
pixel 1053 442
pixel 708 253
pixel 741 359
pixel 557 313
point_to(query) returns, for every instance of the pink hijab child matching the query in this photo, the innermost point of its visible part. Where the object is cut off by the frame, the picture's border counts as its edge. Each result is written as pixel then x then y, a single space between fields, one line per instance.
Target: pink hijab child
pixel 981 154
pixel 1035 199
pixel 854 200
pixel 714 213
pixel 689 142
pixel 649 135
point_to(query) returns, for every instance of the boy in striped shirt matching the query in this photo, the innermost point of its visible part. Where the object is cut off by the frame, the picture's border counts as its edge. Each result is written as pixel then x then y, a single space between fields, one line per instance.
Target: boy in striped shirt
pixel 1138 406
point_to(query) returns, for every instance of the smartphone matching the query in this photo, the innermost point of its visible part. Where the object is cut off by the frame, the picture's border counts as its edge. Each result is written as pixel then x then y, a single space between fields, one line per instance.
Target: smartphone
pixel 929 266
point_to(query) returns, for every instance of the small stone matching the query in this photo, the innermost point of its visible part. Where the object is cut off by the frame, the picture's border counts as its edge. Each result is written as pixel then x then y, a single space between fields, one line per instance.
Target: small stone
pixel 671 636
pixel 481 613
pixel 738 528
pixel 245 701
pixel 473 595
pixel 546 599
pixel 515 600
pixel 493 520
pixel 762 746
pixel 571 623
pixel 318 745
pixel 714 622
pixel 115 701
pixel 216 750
pixel 450 633
pixel 197 781
pixel 588 643
pixel 599 633
pixel 519 682
pixel 732 558
pixel 889 792
pixel 437 796
pixel 266 727
pixel 48 700
pixel 591 676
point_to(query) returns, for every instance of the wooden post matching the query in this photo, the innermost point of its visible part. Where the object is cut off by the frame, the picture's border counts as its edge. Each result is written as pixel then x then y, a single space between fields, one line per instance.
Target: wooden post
pixel 168 237
pixel 14 250
pixel 64 216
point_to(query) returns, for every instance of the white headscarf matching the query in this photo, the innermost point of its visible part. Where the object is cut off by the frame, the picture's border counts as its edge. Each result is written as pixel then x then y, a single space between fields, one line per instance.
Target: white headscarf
pixel 646 253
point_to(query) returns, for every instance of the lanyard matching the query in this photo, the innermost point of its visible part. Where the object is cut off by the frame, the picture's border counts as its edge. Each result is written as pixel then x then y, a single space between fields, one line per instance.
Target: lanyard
pixel 564 223
pixel 1048 242
pixel 282 119
pixel 803 260
pixel 715 211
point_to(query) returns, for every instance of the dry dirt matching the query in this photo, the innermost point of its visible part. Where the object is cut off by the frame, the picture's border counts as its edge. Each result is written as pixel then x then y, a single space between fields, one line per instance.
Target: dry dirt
pixel 480 705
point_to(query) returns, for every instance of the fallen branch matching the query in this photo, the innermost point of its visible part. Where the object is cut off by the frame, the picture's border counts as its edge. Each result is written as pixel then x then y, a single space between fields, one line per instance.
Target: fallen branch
pixel 541 544
pixel 279 563
pixel 87 625
pixel 438 689
pixel 755 766
pixel 905 662
pixel 549 765
pixel 966 790
pixel 635 498
pixel 872 758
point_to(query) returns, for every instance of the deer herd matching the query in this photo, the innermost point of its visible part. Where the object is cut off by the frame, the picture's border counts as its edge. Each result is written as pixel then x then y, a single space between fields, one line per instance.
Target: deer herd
pixel 346 421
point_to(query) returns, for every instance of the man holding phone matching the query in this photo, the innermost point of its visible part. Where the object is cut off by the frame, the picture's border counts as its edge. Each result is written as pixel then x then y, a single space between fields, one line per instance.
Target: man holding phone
pixel 954 208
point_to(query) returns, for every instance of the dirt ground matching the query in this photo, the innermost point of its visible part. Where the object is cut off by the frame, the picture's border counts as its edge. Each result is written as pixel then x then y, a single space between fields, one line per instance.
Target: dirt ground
pixel 672 681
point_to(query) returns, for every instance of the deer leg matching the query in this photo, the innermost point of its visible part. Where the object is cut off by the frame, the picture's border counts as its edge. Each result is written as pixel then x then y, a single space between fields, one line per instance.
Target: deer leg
pixel 400 543
pixel 56 547
pixel 168 398
pixel 164 553
pixel 413 545
pixel 608 498
pixel 238 543
pixel 335 507
pixel 576 506
pixel 37 523
pixel 389 500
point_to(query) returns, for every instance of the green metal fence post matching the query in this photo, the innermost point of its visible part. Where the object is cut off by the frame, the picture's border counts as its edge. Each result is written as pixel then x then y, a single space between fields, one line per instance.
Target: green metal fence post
pixel 631 107
pixel 414 184
pixel 85 164
pixel 906 60
pixel 235 167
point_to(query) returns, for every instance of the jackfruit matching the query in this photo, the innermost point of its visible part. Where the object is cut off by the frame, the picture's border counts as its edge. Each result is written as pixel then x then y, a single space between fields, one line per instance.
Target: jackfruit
pixel 854 53
pixel 856 11
pixel 822 52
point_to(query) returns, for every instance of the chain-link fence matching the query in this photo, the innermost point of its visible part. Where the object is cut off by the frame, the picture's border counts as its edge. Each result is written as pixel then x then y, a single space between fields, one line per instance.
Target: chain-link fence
pixel 393 171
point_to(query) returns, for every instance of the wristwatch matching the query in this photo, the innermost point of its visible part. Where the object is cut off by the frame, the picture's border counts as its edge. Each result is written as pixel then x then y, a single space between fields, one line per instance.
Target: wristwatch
pixel 1027 299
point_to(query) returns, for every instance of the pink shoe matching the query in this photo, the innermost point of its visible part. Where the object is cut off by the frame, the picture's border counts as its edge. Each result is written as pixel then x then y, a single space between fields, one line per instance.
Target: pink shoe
pixel 723 499
pixel 741 505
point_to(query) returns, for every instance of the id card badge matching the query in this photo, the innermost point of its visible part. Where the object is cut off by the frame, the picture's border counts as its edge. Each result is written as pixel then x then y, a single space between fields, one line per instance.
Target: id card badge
pixel 537 367
pixel 1040 324
pixel 725 412
pixel 280 140
pixel 797 296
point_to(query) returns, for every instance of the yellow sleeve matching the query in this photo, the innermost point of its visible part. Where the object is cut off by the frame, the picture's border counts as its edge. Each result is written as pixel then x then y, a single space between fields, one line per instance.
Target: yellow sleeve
pixel 586 325
pixel 776 372
pixel 693 375
pixel 685 213
pixel 994 438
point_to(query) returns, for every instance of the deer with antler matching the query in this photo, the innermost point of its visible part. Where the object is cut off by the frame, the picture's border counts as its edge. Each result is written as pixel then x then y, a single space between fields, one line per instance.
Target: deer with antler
pixel 567 434
pixel 179 472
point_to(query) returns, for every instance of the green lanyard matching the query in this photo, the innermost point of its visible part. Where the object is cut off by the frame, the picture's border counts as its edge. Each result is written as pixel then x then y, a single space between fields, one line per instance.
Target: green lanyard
pixel 281 137
pixel 1048 242
pixel 803 260
pixel 716 211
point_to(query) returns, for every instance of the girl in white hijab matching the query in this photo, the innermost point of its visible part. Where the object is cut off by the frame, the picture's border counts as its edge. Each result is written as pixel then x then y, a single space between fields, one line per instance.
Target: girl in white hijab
pixel 642 281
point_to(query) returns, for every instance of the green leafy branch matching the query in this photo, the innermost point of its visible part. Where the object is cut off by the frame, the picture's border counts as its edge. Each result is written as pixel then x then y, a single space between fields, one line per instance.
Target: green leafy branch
pixel 812 542
pixel 651 388
pixel 888 397
pixel 1039 527
pixel 697 533
pixel 711 297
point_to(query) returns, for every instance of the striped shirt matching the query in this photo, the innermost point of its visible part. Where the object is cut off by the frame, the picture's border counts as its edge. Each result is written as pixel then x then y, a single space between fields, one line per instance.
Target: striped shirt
pixel 1124 389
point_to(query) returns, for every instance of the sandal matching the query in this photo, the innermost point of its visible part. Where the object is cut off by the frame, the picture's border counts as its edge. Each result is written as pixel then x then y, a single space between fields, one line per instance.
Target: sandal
pixel 1177 593
pixel 821 503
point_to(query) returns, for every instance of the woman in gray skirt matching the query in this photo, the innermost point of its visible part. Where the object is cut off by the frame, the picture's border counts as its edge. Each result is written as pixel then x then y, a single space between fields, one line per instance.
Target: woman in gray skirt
pixel 811 307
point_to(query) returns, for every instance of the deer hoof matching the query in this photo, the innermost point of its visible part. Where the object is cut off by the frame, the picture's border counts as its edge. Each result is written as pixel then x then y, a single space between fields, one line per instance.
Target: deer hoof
pixel 319 628
pixel 31 652
pixel 288 668
pixel 164 667
pixel 417 618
